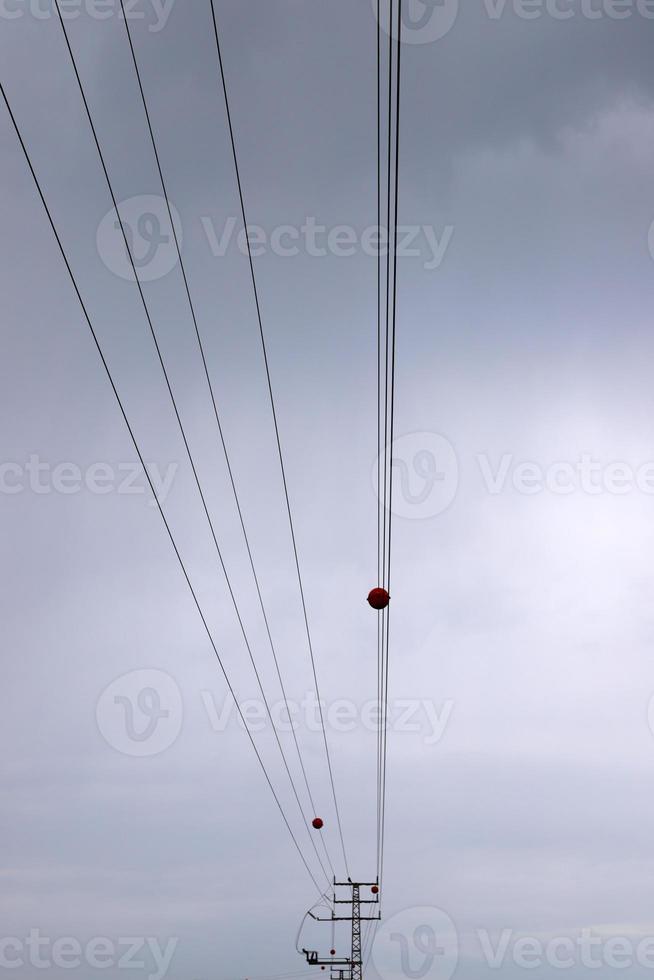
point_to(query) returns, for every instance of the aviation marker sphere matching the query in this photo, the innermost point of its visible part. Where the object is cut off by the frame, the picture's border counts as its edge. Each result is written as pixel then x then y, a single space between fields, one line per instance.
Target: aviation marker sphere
pixel 379 599
pixel 317 823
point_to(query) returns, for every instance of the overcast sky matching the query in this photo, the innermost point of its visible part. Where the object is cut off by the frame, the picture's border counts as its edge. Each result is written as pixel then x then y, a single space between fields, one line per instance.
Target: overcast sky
pixel 523 621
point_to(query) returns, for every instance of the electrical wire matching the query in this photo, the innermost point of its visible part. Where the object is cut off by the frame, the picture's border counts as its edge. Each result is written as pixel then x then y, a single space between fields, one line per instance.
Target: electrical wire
pixel 217 416
pixel 389 406
pixel 323 900
pixel 149 479
pixel 383 362
pixel 184 436
pixel 371 940
pixel 379 442
pixel 276 427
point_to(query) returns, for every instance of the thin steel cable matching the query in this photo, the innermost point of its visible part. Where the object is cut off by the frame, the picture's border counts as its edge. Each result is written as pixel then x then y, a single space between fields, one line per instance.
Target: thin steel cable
pixel 217 416
pixel 388 461
pixel 277 434
pixel 379 446
pixel 384 506
pixel 148 478
pixel 184 436
pixel 375 926
pixel 392 415
pixel 388 295
pixel 394 308
pixel 364 947
pixel 323 900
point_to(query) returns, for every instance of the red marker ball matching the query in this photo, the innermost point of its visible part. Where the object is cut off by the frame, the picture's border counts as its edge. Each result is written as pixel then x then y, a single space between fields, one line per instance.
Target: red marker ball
pixel 374 890
pixel 332 952
pixel 317 823
pixel 379 599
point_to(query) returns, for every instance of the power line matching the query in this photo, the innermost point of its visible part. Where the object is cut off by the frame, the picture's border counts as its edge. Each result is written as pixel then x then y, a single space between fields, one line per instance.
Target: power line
pixel 379 443
pixel 149 479
pixel 371 940
pixel 276 426
pixel 394 307
pixel 323 900
pixel 217 414
pixel 384 372
pixel 183 433
pixel 390 394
